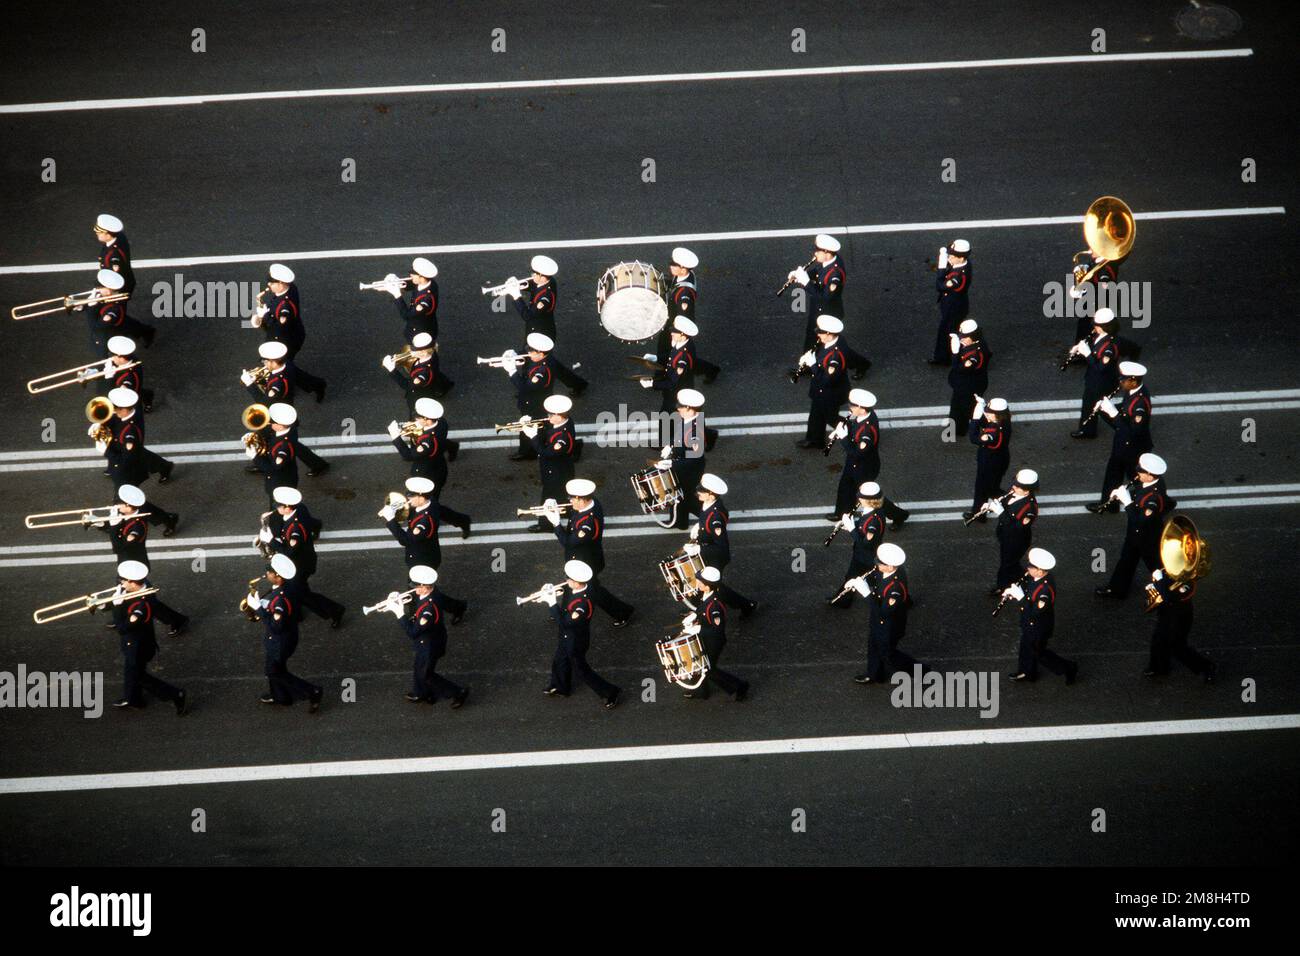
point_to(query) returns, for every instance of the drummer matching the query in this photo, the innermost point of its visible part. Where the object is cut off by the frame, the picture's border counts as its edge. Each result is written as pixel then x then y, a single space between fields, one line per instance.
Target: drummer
pixel 710 622
pixel 684 453
pixel 535 300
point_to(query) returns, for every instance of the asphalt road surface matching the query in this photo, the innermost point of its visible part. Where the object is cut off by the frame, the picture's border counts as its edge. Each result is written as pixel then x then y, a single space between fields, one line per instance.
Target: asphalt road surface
pixel 481 179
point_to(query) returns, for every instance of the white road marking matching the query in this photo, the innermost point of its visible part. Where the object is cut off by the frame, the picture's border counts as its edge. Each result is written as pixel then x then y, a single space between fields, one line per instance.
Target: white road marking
pixel 478 248
pixel 626 80
pixel 460 763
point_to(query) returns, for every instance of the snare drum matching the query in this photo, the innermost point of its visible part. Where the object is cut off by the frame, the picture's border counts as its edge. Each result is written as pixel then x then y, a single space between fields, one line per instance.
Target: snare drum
pixel 680 572
pixel 683 660
pixel 630 300
pixel 656 489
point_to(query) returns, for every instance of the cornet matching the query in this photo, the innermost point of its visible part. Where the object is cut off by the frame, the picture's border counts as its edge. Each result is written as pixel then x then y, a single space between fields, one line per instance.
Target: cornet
pixel 520 426
pixel 537 596
pixel 381 285
pixel 506 287
pixel 83 516
pixel 86 602
pixel 538 510
pixel 77 300
pixel 75 376
pixel 405 597
pixel 499 361
pixel 410 430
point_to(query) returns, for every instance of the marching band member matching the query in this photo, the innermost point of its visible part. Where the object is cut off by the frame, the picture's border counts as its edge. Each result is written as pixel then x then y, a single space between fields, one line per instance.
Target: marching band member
pixel 421 618
pixel 709 539
pixel 127 531
pixel 679 367
pixel 292 530
pixel 116 252
pixel 888 600
pixel 280 318
pixel 420 313
pixel 279 463
pixel 1147 502
pixel 582 538
pixel 133 618
pixel 152 513
pixel 1016 514
pixel 420 536
pixel 534 382
pixel 425 379
pixel 1101 351
pixel 681 304
pixel 571 609
pixel 710 622
pixel 969 374
pixel 828 389
pixel 280 616
pixel 1108 274
pixel 867 522
pixel 429 452
pixel 824 280
pixel 106 319
pixel 1131 420
pixel 557 448
pixel 278 383
pixel 536 299
pixel 989 431
pixel 952 283
pixel 1173 625
pixel 1036 593
pixel 860 433
pixel 121 349
pixel 684 454
pixel 129 461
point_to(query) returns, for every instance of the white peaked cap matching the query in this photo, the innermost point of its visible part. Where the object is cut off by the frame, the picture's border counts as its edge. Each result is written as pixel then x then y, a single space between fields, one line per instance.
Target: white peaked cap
pixel 419 486
pixel 546 266
pixel 579 571
pixel 891 554
pixel 959 246
pixel 1132 369
pixel 558 404
pixel 1152 464
pixel 690 397
pixel 123 397
pixel 273 350
pixel 421 340
pixel 423 574
pixel 713 484
pixel 997 405
pixel 860 396
pixel 868 489
pixel 121 345
pixel 710 574
pixel 280 273
pixel 1026 477
pixel 428 408
pixel 423 267
pixel 580 487
pixel 284 495
pixel 829 324
pixel 539 342
pixel 130 495
pixel 1103 317
pixel 969 326
pixel 685 326
pixel 829 243
pixel 1042 558
pixel 283 565
pixel 685 258
pixel 109 279
pixel 283 413
pixel 133 570
pixel 109 222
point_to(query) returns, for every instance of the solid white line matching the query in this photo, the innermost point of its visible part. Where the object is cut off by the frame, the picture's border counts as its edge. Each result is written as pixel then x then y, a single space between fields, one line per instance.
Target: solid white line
pixel 608 755
pixel 666 240
pixel 626 80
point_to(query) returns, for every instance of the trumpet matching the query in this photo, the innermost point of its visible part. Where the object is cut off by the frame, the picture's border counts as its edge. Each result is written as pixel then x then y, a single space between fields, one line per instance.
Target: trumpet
pixel 405 357
pixel 84 517
pixel 500 361
pixel 98 411
pixel 261 375
pixel 520 426
pixel 397 501
pixel 789 282
pixel 537 596
pixel 78 300
pixel 405 597
pixel 75 376
pixel 411 430
pixel 506 287
pixel 538 510
pixel 985 509
pixel 86 602
pixel 243 603
pixel 381 285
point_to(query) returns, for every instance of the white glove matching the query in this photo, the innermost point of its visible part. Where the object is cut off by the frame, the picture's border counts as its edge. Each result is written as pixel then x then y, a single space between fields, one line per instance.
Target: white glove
pixel 508 355
pixel 264 535
pixel 860 585
pixel 846 522
pixel 549 597
pixel 114 518
pixel 840 431
pixel 388 512
pixel 1076 292
pixel 249 450
pixel 388 363
pixel 1083 349
pixel 807 359
pixel 89 518
pixel 688 620
pixel 107 373
pixel 664 463
pixel 91 430
pixel 666 452
pixel 246 377
pixel 1157 574
pixel 691 629
pixel 514 291
pixel 954 343
pixel 694 530
pixel 691 548
pixel 394 429
pixel 995 507
pixel 552 512
pixel 1108 408
pixel 393 604
pixel 650 357
pixel 1015 591
pixel 1121 495
pixel 254 601
pixel 647 383
pixel 530 431
pixel 101 447
pixel 800 275
pixel 118 596
pixel 261 312
pixel 393 288
pixel 979 407
pixel 943 257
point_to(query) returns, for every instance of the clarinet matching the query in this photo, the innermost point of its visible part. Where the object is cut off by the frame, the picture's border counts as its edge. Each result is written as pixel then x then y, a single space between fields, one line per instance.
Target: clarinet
pixel 789 282
pixel 1070 357
pixel 796 372
pixel 830 441
pixel 837 529
pixel 1111 497
pixel 1024 581
pixel 1093 414
pixel 985 509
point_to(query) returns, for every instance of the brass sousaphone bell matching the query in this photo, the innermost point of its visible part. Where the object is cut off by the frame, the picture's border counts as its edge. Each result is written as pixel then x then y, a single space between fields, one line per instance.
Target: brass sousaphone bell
pixel 1184 555
pixel 1109 229
pixel 255 417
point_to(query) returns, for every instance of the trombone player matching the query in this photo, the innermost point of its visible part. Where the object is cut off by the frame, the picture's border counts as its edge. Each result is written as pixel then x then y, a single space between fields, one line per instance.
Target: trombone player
pixel 421 617
pixel 116 252
pixel 122 370
pixel 133 619
pixel 104 318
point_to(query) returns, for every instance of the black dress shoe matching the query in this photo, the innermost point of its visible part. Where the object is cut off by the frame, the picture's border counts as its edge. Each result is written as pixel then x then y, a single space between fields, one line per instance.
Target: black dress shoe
pixel 553 692
pixel 414 698
pixel 320 393
pixel 1071 672
pixel 182 703
pixel 319 469
pixel 622 622
pixel 251 469
pixel 124 702
pixel 170 523
pixel 148 336
pixel 709 376
pixel 863 679
pixel 458 701
pixel 337 620
pixel 612 700
pixel 1097 507
pixel 899 522
pixel 1018 677
pixel 746 611
pixel 464 529
pixel 1080 433
pixel 577 391
pixel 445 389
pixel 805 443
pixel 453 449
pixel 832 517
pixel 165 475
pixel 313 702
pixel 741 693
pixel 967 515
pixel 456 617
pixel 542 527
pixel 176 630
pixel 266 699
pixel 1107 592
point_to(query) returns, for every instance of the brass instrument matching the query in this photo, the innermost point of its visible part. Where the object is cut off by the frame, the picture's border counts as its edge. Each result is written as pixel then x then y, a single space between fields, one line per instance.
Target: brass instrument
pixel 84 517
pixel 1109 229
pixel 520 426
pixel 381 285
pixel 410 430
pixel 243 603
pixel 255 417
pixel 1183 554
pixel 1097 407
pixel 985 509
pixel 264 546
pixel 499 361
pixel 789 282
pixel 1024 582
pixel 78 300
pixel 86 602
pixel 98 411
pixel 505 287
pixel 261 375
pixel 74 376
pixel 406 357
pixel 406 597
pixel 538 510
pixel 255 320
pixel 397 501
pixel 536 596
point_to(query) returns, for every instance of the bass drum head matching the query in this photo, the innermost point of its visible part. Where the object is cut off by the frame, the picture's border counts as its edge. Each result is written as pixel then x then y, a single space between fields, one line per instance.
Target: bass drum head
pixel 631 303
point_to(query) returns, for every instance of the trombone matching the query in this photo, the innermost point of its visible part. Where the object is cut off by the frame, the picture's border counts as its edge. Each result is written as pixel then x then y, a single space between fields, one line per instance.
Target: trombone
pixel 85 602
pixel 536 596
pixel 506 287
pixel 500 361
pixel 84 517
pixel 520 426
pixel 75 376
pixel 405 597
pixel 78 300
pixel 538 510
pixel 381 285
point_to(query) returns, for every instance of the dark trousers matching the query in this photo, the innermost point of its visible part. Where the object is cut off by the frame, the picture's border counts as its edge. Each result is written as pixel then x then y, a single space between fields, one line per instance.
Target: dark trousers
pixel 1034 651
pixel 318 603
pixel 884 657
pixel 823 413
pixel 1011 548
pixel 1135 548
pixel 949 319
pixel 570 658
pixel 733 598
pixel 447 515
pixel 729 683
pixel 1091 396
pixel 309 458
pixel 155 463
pixel 989 472
pixel 157 514
pixel 168 615
pixel 606 601
pixel 707 369
pixel 961 407
pixel 137 678
pixel 427 683
pixel 306 381
pixel 285 686
pixel 1170 641
pixel 688 472
pixel 1119 469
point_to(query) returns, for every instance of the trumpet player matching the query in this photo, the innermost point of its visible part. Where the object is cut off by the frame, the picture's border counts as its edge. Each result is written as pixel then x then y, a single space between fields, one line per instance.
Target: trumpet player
pixel 952 283
pixel 710 622
pixel 274 380
pixel 421 618
pixel 292 530
pixel 1131 421
pixel 535 300
pixel 419 536
pixel 115 251
pixel 133 618
pixel 280 615
pixel 106 319
pixel 1036 593
pixel 888 600
pixel 968 375
pixel 709 539
pixel 1016 513
pixel 571 609
pixel 830 360
pixel 534 381
pixel 429 449
pixel 867 523
pixel 989 430
pixel 129 461
pixel 556 446
pixel 581 537
pixel 419 313
pixel 824 280
pixel 1146 501
pixel 1100 350
pixel 424 378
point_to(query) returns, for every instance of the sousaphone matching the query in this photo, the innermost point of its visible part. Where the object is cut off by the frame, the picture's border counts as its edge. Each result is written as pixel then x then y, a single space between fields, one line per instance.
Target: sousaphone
pixel 1109 229
pixel 1184 555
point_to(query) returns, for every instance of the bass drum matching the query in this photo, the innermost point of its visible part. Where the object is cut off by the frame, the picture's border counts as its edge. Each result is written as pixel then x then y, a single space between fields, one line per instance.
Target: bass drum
pixel 630 300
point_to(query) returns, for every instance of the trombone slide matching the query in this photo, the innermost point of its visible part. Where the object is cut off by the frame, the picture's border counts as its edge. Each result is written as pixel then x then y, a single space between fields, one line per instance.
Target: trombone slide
pixel 84 602
pixel 75 376
pixel 77 300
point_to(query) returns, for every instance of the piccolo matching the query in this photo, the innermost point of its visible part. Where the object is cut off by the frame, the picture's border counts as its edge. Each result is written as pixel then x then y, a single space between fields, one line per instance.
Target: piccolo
pixel 405 597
